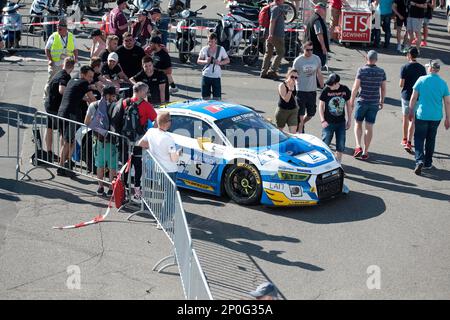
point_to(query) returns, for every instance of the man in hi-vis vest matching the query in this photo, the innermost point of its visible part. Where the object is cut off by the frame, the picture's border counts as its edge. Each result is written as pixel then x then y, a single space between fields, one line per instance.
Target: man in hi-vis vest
pixel 60 44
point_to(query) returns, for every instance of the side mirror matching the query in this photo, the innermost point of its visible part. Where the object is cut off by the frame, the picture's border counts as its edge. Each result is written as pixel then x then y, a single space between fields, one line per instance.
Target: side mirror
pixel 203 7
pixel 202 141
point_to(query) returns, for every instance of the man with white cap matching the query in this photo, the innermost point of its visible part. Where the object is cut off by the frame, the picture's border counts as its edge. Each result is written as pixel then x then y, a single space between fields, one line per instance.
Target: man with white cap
pixel 112 72
pixel 265 291
pixel 429 91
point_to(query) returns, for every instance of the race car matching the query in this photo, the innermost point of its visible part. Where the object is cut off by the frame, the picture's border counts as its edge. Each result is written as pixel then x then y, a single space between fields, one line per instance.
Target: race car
pixel 231 149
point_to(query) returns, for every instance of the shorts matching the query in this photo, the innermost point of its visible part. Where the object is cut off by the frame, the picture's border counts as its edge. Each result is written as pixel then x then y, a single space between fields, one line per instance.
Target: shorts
pixel 306 102
pixel 67 129
pixel 211 84
pixel 366 111
pixel 286 116
pixel 414 24
pixel 105 155
pixel 426 21
pixel 52 122
pixel 337 129
pixel 400 23
pixel 405 107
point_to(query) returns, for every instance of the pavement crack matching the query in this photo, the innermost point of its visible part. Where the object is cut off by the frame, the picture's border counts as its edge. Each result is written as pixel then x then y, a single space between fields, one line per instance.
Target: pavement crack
pixel 102 245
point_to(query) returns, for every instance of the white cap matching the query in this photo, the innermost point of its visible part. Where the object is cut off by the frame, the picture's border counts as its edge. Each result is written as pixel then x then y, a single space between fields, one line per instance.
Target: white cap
pixel 113 56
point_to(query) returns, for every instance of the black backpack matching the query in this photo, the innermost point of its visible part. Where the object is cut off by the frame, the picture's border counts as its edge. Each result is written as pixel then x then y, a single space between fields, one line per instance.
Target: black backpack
pixel 131 126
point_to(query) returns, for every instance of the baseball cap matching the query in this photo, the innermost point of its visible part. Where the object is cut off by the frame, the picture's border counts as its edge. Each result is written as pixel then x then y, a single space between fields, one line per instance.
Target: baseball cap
pixel 434 64
pixel 156 40
pixel 96 33
pixel 333 79
pixel 372 55
pixel 108 90
pixel 155 10
pixel 113 56
pixel 265 289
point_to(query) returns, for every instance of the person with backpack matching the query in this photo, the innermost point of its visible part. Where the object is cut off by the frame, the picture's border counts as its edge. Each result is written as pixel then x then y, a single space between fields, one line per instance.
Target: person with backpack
pixel 105 151
pixel 271 18
pixel 212 57
pixel 130 118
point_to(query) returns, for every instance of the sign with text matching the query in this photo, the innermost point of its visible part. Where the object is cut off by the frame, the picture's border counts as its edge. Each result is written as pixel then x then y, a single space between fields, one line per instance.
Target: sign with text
pixel 355 26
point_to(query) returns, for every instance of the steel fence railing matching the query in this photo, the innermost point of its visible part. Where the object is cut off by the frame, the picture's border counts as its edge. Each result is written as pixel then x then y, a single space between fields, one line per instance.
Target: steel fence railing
pixel 10 149
pixel 162 199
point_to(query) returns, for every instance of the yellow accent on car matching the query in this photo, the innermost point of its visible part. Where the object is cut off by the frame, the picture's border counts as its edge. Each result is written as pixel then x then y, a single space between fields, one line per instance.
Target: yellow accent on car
pixel 197 185
pixel 280 199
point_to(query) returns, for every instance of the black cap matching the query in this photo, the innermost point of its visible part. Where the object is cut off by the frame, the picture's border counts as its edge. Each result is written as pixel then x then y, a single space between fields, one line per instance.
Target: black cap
pixel 108 90
pixel 156 40
pixel 96 33
pixel 333 79
pixel 155 10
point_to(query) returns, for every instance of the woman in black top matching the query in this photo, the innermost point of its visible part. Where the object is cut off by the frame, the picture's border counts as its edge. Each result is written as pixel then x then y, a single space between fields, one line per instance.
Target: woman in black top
pixel 287 111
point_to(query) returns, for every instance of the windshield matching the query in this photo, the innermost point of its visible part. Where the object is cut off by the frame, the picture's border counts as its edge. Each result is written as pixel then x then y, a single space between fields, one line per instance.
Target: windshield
pixel 250 130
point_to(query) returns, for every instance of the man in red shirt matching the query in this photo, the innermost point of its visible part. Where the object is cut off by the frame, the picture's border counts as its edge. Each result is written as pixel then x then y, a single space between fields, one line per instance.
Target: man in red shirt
pixel 118 21
pixel 336 8
pixel 146 113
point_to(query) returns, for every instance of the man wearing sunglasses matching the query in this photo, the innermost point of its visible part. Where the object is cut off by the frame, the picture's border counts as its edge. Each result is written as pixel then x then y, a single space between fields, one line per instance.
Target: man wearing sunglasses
pixel 308 67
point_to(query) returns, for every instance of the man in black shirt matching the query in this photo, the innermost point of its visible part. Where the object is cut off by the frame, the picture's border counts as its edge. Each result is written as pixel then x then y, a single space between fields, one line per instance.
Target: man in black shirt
pixel 130 55
pixel 416 14
pixel 70 108
pixel 112 42
pixel 400 10
pixel 156 81
pixel 113 73
pixel 317 32
pixel 162 61
pixel 334 102
pixel 56 88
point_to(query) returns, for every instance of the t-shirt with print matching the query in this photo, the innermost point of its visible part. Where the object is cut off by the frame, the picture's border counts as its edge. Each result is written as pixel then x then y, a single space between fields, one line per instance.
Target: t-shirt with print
pixel 161 145
pixel 410 72
pixel 307 72
pixel 153 82
pixel 335 102
pixel 72 100
pixel 371 78
pixel 212 70
pixel 432 90
pixel 113 73
pixel 415 11
pixel 54 98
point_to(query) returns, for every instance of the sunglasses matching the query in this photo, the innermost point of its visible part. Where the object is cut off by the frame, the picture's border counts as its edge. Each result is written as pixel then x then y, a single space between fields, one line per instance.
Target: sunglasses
pixel 127 40
pixel 309 50
pixel 294 77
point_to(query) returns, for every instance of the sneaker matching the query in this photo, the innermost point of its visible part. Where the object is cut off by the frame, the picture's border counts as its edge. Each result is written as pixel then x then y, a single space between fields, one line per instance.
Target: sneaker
pixel 414 41
pixel 173 90
pixel 100 191
pixel 273 75
pixel 418 168
pixel 109 193
pixel 423 43
pixel 365 156
pixel 404 142
pixel 263 76
pixel 61 172
pixel 428 167
pixel 358 152
pixel 137 193
pixel 408 147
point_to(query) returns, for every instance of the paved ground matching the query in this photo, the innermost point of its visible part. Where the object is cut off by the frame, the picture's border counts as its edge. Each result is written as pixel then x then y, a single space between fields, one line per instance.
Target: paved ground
pixel 391 219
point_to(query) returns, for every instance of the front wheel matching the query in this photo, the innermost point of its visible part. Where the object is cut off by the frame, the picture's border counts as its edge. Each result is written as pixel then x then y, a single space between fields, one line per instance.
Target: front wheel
pixel 290 12
pixel 95 6
pixel 243 183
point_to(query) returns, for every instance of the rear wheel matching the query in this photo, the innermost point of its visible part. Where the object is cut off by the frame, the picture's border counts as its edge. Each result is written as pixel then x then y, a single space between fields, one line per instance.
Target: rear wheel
pixel 95 6
pixel 290 11
pixel 243 183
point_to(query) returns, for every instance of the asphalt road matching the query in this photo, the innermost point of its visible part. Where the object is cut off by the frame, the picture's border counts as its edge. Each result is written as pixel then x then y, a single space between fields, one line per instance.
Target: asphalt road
pixel 392 219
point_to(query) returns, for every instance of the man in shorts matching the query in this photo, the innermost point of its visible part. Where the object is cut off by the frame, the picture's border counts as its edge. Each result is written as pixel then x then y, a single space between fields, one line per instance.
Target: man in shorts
pixel 399 7
pixel 372 82
pixel 414 23
pixel 308 67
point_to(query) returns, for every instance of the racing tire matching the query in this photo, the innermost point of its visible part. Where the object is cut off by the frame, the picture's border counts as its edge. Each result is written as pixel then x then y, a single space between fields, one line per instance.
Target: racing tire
pixel 250 56
pixel 291 12
pixel 95 6
pixel 243 183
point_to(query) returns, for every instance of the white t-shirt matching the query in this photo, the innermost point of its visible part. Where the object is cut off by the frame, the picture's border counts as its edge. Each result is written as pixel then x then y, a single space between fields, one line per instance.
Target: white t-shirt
pixel 211 70
pixel 161 145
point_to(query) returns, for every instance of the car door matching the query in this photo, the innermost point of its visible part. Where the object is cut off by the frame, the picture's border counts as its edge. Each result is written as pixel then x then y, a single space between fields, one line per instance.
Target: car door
pixel 198 167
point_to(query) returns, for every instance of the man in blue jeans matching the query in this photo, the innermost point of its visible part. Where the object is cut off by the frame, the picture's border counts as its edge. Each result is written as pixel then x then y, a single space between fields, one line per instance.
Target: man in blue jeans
pixel 429 91
pixel 372 82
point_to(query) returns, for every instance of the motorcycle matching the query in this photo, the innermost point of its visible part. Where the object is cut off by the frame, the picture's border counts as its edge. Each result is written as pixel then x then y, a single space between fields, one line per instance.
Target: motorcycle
pixel 136 5
pixel 186 34
pixel 177 6
pixel 292 46
pixel 96 6
pixel 250 9
pixel 12 24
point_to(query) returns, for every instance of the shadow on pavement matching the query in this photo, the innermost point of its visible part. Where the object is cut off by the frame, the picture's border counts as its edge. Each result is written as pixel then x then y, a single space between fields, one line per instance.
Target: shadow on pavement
pixel 26 113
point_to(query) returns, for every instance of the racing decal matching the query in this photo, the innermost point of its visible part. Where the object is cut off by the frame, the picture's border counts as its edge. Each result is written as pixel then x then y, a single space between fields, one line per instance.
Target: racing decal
pixel 199 170
pixel 313 157
pixel 197 185
pixel 280 199
pixel 252 169
pixel 213 108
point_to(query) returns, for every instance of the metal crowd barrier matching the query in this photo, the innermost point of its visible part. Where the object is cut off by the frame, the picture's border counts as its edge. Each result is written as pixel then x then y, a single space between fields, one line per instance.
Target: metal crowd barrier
pixel 161 198
pixel 10 117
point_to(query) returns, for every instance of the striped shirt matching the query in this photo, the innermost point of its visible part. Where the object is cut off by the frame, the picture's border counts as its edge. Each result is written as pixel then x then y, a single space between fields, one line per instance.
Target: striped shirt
pixel 371 78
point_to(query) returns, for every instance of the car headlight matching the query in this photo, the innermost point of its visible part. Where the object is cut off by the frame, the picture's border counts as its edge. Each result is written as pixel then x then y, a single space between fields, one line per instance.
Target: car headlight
pixel 293 176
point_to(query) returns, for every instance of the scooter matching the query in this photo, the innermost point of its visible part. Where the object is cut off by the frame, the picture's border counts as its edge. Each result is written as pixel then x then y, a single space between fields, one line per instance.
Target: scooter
pixel 177 6
pixel 186 33
pixel 12 24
